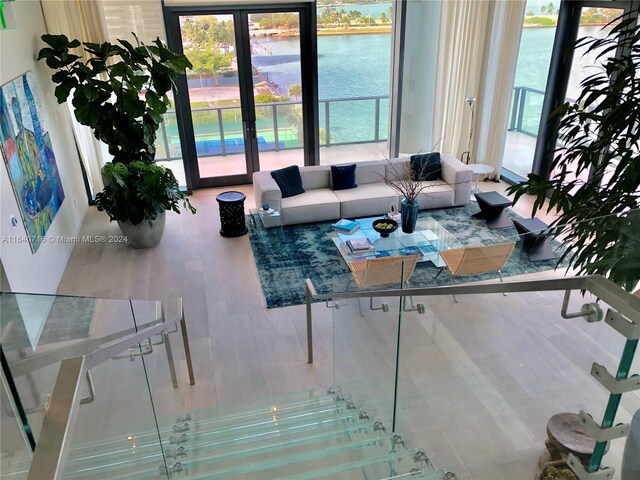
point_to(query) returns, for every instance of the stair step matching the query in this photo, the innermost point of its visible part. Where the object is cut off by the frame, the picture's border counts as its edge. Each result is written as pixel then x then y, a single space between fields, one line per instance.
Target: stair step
pixel 228 449
pixel 301 425
pixel 203 423
pixel 353 462
pixel 306 435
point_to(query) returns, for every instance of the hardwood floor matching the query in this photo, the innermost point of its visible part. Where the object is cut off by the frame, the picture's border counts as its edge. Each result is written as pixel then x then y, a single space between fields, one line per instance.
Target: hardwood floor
pixel 479 379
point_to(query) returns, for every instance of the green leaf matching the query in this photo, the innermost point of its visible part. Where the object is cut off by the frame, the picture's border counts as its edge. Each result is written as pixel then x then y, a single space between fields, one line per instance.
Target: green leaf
pixel 57 42
pixel 131 104
pixel 62 92
pixel 119 69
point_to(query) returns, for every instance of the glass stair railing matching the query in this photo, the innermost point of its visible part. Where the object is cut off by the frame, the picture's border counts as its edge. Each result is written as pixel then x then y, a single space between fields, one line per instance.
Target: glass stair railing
pixel 203 421
pixel 211 434
pixel 313 434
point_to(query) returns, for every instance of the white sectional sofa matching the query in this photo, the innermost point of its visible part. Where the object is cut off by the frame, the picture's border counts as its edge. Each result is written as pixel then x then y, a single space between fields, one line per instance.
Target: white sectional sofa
pixel 371 197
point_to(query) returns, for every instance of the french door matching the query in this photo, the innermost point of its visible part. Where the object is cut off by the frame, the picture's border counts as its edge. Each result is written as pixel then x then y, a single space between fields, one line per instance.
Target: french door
pixel 249 102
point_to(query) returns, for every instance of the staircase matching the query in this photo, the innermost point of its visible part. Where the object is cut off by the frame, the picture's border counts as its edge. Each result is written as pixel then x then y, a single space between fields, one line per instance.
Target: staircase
pixel 306 435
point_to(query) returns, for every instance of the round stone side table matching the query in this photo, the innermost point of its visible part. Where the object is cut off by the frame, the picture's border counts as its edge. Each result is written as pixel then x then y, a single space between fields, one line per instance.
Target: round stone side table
pixel 478 169
pixel 231 206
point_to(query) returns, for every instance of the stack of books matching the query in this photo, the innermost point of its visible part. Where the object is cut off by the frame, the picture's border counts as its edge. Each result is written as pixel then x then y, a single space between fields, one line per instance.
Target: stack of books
pixel 359 245
pixel 346 226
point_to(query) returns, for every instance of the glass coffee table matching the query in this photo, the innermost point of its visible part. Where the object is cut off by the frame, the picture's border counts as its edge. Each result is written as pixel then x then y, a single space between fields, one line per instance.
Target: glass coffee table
pixel 428 240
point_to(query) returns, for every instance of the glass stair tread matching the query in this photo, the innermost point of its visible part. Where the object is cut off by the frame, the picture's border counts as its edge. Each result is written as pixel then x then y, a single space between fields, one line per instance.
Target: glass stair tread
pixel 281 401
pixel 230 450
pixel 264 431
pixel 306 435
pixel 295 464
pixel 201 422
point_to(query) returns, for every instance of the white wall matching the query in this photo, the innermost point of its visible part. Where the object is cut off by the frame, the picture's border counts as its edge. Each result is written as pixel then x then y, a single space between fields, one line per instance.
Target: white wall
pixel 40 272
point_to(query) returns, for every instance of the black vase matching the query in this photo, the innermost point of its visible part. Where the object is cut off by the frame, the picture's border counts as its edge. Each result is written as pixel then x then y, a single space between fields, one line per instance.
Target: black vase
pixel 409 212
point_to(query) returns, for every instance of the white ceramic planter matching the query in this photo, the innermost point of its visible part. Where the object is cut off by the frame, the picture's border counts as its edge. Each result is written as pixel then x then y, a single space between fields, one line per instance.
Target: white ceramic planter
pixel 144 235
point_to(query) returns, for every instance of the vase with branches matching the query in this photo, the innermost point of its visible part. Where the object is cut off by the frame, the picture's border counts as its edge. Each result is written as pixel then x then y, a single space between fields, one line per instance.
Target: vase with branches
pixel 410 182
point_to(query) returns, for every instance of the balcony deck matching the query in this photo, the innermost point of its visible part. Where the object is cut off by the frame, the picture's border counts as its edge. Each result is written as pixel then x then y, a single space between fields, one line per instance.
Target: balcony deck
pixel 518 153
pixel 214 166
pixel 518 157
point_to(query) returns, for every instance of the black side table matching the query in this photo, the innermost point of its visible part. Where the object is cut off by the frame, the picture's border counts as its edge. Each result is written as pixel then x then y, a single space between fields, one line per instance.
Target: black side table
pixel 492 206
pixel 534 234
pixel 232 214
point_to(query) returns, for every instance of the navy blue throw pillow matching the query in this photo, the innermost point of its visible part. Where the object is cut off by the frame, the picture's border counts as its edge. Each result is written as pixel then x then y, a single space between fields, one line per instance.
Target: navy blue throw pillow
pixel 289 181
pixel 344 177
pixel 426 166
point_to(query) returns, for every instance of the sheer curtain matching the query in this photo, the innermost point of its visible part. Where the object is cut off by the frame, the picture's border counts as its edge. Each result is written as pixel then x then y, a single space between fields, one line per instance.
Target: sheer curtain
pixel 477 53
pixel 84 20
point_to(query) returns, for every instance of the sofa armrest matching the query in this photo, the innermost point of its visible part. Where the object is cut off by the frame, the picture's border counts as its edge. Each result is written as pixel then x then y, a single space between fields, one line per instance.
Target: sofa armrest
pixel 266 190
pixel 459 176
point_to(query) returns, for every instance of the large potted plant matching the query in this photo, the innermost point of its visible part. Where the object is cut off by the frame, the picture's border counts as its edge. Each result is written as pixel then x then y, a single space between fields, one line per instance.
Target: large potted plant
pixel 120 92
pixel 599 217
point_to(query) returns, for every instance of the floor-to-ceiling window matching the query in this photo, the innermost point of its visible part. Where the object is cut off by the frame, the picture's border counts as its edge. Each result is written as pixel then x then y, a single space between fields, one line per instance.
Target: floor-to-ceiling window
pixel 545 78
pixel 354 65
pixel 536 46
pixel 585 64
pixel 247 103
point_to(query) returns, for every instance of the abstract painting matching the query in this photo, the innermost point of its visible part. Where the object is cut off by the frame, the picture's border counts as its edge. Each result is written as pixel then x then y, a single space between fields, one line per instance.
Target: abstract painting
pixel 28 155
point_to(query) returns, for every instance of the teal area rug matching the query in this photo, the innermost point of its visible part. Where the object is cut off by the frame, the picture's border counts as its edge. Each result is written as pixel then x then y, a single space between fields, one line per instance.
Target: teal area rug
pixel 307 251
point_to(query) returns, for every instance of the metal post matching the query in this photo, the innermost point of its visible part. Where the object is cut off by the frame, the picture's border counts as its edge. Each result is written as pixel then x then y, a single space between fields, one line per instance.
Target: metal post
pixel 309 292
pixel 223 148
pixel 55 435
pixel 185 342
pixel 523 96
pixel 514 108
pixel 165 137
pixel 614 401
pixel 172 366
pixel 376 135
pixel 274 113
pixel 327 132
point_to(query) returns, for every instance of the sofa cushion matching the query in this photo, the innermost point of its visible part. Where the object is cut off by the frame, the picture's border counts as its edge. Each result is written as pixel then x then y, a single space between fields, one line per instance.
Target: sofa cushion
pixel 312 206
pixel 315 177
pixel 426 166
pixel 366 200
pixel 369 172
pixel 343 177
pixel 397 167
pixel 458 175
pixel 289 181
pixel 438 194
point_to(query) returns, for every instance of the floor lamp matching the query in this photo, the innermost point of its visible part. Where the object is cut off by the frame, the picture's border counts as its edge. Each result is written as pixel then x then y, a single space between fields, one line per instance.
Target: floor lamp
pixel 466 156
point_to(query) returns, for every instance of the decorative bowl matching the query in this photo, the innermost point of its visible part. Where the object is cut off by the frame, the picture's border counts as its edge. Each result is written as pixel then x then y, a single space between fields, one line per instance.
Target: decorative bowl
pixel 385 232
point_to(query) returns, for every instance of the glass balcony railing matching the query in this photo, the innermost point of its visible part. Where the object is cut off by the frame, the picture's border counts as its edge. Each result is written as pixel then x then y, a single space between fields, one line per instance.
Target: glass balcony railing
pixel 218 130
pixel 343 121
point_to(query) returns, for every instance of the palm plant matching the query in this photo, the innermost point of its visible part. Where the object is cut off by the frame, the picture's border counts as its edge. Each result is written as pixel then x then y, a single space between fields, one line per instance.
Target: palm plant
pixel 599 219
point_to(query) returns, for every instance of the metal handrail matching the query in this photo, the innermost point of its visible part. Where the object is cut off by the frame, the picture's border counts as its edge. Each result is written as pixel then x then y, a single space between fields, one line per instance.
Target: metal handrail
pixel 607 291
pixel 623 315
pixel 520 93
pixel 55 437
pixel 518 108
pixel 41 360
